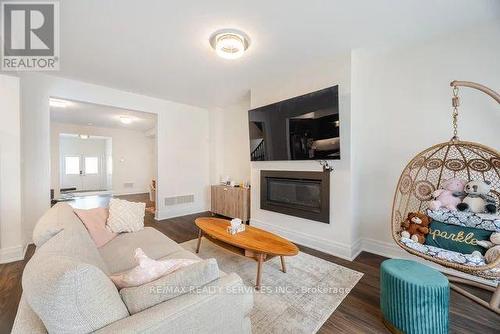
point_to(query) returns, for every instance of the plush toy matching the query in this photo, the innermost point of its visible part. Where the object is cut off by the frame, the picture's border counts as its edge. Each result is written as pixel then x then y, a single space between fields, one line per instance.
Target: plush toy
pixel 477 198
pixel 448 196
pixel 415 227
pixel 492 246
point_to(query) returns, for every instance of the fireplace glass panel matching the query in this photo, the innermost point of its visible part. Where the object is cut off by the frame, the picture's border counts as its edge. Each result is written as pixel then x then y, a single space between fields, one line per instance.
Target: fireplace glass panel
pixel 305 194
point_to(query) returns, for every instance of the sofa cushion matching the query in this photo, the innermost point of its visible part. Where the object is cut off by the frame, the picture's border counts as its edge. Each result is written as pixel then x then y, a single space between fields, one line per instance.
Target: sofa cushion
pixel 181 281
pixel 51 223
pixel 181 254
pixel 26 320
pixel 73 241
pixel 70 296
pixel 223 309
pixel 118 254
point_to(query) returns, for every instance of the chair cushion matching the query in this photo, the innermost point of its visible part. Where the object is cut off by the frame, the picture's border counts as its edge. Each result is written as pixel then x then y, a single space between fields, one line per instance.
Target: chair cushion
pixel 52 222
pixel 70 296
pixel 118 254
pixel 184 280
pixel 482 221
pixel 456 238
pixel 443 254
pixel 125 216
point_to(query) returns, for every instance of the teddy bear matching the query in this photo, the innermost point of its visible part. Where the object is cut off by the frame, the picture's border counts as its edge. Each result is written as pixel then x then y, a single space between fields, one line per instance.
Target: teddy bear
pixel 448 196
pixel 492 246
pixel 415 227
pixel 477 198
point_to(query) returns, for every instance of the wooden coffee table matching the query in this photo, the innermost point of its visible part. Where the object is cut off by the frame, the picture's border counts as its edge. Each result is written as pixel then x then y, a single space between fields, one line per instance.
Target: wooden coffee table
pixel 254 243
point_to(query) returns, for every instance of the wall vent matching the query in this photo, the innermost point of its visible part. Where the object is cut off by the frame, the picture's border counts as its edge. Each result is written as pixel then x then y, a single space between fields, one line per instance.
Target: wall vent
pixel 175 200
pixel 128 185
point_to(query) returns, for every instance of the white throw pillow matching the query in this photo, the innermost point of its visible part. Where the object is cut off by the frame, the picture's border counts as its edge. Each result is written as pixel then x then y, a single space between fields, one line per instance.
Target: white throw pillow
pixel 125 216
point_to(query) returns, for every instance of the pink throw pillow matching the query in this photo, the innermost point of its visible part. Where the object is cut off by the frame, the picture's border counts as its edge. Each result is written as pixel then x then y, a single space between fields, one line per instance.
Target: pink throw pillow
pixel 95 222
pixel 148 270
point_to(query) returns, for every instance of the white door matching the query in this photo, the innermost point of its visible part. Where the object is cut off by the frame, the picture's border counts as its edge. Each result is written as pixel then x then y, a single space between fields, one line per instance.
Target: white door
pixel 93 174
pixel 83 163
pixel 85 173
pixel 71 172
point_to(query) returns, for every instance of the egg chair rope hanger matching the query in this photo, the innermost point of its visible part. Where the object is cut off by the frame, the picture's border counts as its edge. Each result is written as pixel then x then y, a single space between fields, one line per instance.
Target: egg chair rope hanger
pixel 425 173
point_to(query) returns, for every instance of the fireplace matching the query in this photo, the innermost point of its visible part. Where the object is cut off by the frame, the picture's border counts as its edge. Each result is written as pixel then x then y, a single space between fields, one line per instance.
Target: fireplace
pixel 299 194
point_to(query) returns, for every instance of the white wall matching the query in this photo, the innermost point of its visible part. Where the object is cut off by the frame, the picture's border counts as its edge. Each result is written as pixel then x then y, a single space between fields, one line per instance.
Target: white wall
pixel 229 143
pixel 394 103
pixel 133 156
pixel 11 241
pixel 401 104
pixel 182 143
pixel 340 236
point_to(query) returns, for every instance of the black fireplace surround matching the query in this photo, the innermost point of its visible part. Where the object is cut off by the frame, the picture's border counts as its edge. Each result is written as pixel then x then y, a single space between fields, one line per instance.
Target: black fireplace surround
pixel 296 193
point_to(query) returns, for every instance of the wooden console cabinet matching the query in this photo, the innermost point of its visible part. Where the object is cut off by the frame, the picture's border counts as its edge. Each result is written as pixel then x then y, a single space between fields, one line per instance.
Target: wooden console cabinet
pixel 232 202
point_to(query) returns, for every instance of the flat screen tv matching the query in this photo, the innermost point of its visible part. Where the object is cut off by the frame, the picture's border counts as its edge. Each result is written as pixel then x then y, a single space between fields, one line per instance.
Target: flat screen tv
pixel 305 127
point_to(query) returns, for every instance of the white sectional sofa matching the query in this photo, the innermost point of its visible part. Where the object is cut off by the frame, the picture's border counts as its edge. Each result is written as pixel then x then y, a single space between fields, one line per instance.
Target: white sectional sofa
pixel 66 286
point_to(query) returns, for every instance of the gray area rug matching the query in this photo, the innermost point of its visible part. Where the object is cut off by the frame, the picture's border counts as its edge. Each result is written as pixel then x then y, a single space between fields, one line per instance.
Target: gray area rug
pixel 298 301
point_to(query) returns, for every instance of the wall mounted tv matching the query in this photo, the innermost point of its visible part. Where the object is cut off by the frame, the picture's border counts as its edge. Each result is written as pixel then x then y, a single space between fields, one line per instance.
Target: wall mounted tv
pixel 305 127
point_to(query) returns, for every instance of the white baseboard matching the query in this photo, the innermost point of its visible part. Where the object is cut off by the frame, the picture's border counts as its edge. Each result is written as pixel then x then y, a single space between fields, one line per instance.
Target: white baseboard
pixel 136 192
pixel 167 214
pixel 356 248
pixel 12 254
pixel 326 246
pixel 382 248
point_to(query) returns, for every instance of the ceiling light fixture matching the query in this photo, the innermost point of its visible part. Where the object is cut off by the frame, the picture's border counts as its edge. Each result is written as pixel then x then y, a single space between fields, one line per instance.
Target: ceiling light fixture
pixel 58 103
pixel 229 43
pixel 125 120
pixel 83 136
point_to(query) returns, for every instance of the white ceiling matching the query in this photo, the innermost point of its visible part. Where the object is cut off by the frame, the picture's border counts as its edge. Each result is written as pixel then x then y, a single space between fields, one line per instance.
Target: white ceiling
pixel 160 48
pixel 89 114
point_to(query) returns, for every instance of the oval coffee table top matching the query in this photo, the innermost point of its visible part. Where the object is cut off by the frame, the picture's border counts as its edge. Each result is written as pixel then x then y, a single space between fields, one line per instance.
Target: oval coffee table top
pixel 252 238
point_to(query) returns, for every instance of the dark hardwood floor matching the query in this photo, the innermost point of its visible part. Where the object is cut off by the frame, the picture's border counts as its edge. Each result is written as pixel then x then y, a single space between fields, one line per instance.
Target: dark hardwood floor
pixel 358 313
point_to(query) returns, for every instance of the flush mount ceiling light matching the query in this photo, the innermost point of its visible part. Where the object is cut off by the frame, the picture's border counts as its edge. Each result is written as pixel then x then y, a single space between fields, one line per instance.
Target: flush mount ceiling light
pixel 58 103
pixel 83 136
pixel 125 120
pixel 229 43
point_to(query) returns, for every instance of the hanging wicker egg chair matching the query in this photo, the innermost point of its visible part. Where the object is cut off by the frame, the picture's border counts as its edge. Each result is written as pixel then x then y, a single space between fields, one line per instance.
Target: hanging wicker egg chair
pixel 425 173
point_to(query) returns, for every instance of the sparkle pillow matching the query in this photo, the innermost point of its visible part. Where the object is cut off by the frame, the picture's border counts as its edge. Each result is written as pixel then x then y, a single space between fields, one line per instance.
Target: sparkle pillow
pixel 460 239
pixel 125 216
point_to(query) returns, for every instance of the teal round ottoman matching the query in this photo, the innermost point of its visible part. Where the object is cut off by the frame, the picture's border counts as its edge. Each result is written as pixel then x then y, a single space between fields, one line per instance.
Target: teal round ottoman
pixel 414 298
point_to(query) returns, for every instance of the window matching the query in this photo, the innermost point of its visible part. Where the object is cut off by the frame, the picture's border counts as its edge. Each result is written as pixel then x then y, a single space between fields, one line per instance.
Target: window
pixel 71 165
pixel 91 165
